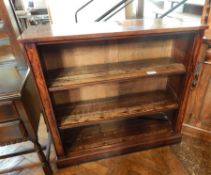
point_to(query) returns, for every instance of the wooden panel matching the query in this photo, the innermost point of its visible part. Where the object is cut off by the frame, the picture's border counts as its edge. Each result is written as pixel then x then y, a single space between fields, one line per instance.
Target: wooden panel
pixel 118 29
pixel 199 113
pixel 36 69
pixel 7 112
pixel 192 57
pixel 31 104
pixel 10 82
pixel 98 141
pixel 12 132
pixel 182 53
pixel 75 77
pixel 120 107
pixel 102 52
pixel 181 46
pixel 109 90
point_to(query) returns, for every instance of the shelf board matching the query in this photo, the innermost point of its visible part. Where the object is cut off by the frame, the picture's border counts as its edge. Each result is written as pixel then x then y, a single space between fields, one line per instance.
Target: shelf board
pixel 109 139
pixel 63 79
pixel 102 110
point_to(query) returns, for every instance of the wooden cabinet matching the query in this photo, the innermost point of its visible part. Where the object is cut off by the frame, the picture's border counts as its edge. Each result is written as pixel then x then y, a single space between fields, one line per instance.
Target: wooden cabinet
pixel 205 84
pixel 198 115
pixel 113 88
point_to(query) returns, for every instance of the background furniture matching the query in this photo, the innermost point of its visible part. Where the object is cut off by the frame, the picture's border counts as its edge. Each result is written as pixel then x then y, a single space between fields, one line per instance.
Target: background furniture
pixel 20 107
pixel 198 115
pixel 113 88
pixel 10 51
pixel 19 111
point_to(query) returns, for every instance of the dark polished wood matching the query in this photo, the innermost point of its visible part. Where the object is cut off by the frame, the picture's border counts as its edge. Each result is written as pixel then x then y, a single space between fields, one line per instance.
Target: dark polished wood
pixel 7 111
pixel 97 84
pixel 127 106
pixel 19 110
pixel 198 113
pixel 63 79
pixel 105 140
pixel 12 132
pixel 45 98
pixel 191 67
pixel 70 32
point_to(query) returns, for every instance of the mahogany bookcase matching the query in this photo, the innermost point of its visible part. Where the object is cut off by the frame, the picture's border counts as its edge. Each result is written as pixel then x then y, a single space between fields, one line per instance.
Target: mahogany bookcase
pixel 113 88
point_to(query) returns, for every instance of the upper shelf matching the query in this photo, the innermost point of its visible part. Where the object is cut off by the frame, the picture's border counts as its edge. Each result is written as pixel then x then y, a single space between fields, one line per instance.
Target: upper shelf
pixel 76 32
pixel 63 79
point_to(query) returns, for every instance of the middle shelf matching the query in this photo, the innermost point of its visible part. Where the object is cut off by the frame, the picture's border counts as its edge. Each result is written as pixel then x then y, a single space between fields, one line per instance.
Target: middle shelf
pixel 113 108
pixel 74 77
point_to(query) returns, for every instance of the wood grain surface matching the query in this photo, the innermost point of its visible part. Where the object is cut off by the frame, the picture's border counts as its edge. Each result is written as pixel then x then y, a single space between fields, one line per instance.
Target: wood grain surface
pixel 67 32
pixel 120 107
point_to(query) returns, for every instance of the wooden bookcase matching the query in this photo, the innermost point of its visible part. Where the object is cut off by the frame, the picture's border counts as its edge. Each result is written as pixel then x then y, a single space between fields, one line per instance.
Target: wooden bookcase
pixel 113 88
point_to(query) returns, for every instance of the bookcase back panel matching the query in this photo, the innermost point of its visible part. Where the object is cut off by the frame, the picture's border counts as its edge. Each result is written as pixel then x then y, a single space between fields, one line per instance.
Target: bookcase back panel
pixel 109 90
pixel 102 52
pixel 180 48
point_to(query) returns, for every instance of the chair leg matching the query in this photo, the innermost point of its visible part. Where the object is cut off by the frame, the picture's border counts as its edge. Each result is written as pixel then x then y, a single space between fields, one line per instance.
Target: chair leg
pixel 45 164
pixel 48 147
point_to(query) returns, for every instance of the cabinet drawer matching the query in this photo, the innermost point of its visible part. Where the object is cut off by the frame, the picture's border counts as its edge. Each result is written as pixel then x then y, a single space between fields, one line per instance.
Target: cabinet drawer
pixel 11 132
pixel 7 112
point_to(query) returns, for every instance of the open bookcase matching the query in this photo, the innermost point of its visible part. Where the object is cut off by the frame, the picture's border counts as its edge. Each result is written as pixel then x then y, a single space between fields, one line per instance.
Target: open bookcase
pixel 113 88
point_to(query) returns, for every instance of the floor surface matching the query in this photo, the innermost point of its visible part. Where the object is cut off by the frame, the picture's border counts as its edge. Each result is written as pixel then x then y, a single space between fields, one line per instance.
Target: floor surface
pixel 191 157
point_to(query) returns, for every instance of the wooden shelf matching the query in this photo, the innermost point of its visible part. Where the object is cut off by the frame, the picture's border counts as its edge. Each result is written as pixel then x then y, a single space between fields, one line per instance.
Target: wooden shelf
pixel 96 111
pixel 108 139
pixel 63 79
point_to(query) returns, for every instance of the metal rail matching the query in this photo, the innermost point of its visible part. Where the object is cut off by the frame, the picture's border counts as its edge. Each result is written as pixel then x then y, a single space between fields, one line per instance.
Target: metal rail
pixel 107 12
pixel 128 3
pixel 81 8
pixel 172 9
pixel 110 10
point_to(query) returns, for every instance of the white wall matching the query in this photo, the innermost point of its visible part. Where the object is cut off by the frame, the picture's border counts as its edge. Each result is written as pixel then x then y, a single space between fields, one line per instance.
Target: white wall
pixel 62 11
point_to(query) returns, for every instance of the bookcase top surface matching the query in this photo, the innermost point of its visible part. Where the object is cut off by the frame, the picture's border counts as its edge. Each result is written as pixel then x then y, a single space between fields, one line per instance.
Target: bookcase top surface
pixel 101 30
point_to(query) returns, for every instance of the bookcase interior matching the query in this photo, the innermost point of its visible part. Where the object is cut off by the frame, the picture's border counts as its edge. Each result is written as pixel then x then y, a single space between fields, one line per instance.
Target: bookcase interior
pixel 116 94
pixel 90 80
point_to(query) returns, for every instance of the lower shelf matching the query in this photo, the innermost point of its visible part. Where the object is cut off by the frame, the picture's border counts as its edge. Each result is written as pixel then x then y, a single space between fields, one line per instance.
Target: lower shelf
pixel 96 111
pixel 115 138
